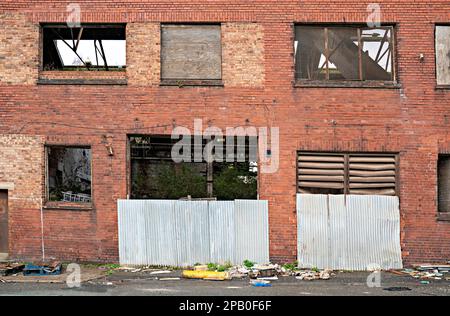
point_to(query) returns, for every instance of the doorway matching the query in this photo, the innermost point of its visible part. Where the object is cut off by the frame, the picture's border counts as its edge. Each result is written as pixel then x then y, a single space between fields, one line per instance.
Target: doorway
pixel 3 223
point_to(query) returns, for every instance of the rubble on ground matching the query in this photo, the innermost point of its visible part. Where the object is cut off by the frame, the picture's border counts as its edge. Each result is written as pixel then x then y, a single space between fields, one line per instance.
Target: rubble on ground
pixel 427 272
pixel 259 274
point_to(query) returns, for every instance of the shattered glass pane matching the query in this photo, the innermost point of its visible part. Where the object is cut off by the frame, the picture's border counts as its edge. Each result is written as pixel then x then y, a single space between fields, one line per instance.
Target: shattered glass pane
pixel 69 174
pixel 343 53
pixel 310 48
pixel 377 54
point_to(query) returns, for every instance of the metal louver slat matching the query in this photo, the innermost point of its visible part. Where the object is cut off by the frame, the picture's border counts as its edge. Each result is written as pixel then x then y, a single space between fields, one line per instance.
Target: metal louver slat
pixel 335 173
pixel 318 172
pixel 372 174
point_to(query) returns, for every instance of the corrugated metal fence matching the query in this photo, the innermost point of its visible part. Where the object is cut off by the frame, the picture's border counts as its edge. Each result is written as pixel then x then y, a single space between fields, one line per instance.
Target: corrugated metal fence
pixel 352 232
pixel 182 233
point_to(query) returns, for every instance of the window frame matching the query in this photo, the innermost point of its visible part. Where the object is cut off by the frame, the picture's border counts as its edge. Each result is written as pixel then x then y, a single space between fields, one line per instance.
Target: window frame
pixel 191 82
pixel 356 83
pixel 438 86
pixel 441 215
pixel 64 204
pixel 44 26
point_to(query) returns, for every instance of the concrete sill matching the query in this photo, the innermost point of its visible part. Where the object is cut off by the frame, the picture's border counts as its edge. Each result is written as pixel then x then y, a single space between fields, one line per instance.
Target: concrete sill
pixel 191 83
pixel 68 206
pixel 120 82
pixel 346 84
pixel 443 87
pixel 443 217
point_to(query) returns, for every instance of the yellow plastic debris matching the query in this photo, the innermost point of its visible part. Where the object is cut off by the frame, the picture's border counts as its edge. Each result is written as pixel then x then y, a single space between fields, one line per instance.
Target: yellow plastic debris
pixel 209 275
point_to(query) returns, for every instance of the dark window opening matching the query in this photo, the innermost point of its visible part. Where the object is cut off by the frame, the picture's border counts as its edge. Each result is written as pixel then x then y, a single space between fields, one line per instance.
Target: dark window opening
pixel 342 173
pixel 444 183
pixel 89 47
pixel 69 174
pixel 344 53
pixel 191 52
pixel 155 174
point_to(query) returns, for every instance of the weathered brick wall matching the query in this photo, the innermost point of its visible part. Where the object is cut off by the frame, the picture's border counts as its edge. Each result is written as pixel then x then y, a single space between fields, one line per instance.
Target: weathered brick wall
pixel 19 42
pixel 242 54
pixel 21 163
pixel 143 54
pixel 412 120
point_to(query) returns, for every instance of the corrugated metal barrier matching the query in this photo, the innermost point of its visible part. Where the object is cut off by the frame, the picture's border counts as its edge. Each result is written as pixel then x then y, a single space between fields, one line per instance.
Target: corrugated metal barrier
pixel 352 232
pixel 182 233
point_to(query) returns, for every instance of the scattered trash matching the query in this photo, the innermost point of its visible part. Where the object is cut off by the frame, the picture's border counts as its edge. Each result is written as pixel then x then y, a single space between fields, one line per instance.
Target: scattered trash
pixel 310 275
pixel 268 278
pixel 11 269
pixel 41 270
pixel 397 289
pixel 161 272
pixel 201 268
pixel 426 272
pixel 424 282
pixel 260 283
pixel 169 279
pixel 210 275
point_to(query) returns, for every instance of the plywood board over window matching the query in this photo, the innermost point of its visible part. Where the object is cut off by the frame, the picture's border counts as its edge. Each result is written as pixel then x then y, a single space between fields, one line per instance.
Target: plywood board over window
pixel 443 55
pixel 346 173
pixel 191 52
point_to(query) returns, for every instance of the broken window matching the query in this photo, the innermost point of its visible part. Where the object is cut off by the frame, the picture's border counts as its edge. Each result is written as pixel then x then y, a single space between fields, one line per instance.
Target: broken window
pixel 89 47
pixel 155 174
pixel 69 174
pixel 444 183
pixel 341 173
pixel 344 53
pixel 191 52
pixel 443 55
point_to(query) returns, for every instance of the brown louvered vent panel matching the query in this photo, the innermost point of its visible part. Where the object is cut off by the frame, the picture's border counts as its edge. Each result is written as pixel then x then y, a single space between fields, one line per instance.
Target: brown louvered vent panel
pixel 372 174
pixel 338 173
pixel 321 173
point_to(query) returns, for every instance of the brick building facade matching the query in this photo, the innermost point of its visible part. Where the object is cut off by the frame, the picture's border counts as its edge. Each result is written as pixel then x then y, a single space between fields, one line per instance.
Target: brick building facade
pixel 100 109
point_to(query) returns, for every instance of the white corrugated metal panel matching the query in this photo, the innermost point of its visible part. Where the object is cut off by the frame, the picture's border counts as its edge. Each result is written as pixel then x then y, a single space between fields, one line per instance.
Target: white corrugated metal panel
pixel 252 231
pixel 192 226
pixel 181 233
pixel 338 231
pixel 313 235
pixel 221 231
pixel 350 232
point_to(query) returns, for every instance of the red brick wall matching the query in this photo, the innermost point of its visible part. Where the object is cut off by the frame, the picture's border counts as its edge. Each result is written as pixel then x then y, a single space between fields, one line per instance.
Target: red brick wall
pixel 412 120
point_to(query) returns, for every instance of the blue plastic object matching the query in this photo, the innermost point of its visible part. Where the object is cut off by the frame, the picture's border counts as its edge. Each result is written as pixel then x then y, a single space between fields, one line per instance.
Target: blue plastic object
pixel 33 270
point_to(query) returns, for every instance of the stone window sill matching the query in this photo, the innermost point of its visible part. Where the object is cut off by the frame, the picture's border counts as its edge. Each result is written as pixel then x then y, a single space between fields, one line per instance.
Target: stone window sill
pixel 443 87
pixel 68 206
pixel 346 84
pixel 191 83
pixel 82 77
pixel 443 217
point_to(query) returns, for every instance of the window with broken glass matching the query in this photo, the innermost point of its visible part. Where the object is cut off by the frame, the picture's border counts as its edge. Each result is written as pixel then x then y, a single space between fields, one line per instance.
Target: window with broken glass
pixel 69 174
pixel 89 47
pixel 344 53
pixel 231 174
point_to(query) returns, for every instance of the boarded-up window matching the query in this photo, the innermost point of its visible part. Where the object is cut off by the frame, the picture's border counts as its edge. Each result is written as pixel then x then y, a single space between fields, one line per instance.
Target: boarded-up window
pixel 191 52
pixel 343 173
pixel 344 53
pixel 443 55
pixel 444 183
